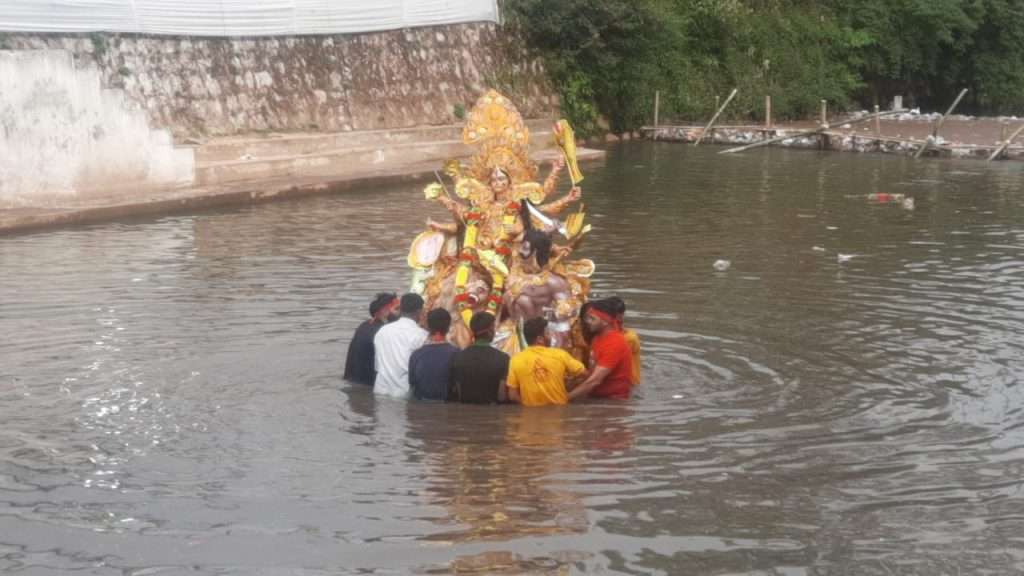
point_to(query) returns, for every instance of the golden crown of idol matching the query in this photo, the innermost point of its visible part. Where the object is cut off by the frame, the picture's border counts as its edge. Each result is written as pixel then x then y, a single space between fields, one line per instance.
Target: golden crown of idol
pixel 508 249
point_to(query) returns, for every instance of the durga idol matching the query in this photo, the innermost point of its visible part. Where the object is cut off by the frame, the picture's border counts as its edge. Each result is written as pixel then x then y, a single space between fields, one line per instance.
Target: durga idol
pixel 486 258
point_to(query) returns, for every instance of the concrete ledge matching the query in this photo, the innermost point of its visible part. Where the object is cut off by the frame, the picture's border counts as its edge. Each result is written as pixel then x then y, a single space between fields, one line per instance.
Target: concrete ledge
pixel 235 148
pixel 328 161
pixel 24 220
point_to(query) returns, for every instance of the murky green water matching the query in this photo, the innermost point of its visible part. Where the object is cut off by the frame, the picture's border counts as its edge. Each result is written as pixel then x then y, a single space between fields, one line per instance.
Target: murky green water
pixel 171 399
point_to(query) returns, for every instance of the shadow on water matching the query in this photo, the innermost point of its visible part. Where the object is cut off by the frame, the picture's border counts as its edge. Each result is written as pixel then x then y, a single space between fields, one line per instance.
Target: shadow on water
pixel 843 400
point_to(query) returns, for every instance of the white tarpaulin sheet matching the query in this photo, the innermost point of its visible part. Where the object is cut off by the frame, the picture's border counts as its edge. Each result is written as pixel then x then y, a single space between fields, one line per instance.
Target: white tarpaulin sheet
pixel 237 17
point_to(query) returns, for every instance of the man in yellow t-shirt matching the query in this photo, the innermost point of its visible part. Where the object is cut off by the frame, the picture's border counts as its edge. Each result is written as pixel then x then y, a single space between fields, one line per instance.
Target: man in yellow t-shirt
pixel 537 375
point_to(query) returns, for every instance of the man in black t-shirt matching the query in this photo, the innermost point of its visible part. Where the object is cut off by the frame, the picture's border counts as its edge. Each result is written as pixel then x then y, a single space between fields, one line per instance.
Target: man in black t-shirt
pixel 479 372
pixel 359 363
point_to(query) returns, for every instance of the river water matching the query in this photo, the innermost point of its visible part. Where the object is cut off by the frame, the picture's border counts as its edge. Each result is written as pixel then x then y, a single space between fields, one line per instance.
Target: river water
pixel 171 398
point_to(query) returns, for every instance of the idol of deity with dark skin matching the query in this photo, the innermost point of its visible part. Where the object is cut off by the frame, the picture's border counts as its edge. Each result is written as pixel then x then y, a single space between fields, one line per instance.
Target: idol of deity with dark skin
pixel 536 291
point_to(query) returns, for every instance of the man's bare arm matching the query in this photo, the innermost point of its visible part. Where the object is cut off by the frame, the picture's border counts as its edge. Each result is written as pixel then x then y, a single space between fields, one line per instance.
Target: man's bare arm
pixel 511 394
pixel 592 381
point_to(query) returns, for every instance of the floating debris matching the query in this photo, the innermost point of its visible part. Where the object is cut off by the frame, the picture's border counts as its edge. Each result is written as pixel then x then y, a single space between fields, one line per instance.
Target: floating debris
pixel 883 198
pixel 842 258
pixel 905 202
pixel 722 265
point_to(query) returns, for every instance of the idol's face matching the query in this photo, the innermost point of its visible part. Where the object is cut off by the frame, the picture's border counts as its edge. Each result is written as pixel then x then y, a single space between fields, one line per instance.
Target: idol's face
pixel 525 250
pixel 499 180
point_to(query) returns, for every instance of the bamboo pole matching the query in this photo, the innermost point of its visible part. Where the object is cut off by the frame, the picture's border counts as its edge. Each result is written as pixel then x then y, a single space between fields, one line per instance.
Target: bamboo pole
pixel 935 132
pixel 878 123
pixel 1006 144
pixel 768 112
pixel 715 117
pixel 805 133
pixel 657 103
pixel 824 112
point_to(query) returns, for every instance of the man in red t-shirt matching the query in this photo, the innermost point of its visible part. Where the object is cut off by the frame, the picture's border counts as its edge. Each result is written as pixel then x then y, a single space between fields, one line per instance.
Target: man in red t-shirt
pixel 612 376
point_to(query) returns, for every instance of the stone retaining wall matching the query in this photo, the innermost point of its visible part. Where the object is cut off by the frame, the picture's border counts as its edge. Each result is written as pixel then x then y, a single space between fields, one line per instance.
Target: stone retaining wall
pixel 197 87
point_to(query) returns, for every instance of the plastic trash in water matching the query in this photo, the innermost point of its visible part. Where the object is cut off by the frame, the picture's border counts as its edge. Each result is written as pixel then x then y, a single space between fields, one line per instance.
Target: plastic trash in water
pixel 722 265
pixel 904 201
pixel 677 396
pixel 842 258
pixel 883 198
pixel 818 248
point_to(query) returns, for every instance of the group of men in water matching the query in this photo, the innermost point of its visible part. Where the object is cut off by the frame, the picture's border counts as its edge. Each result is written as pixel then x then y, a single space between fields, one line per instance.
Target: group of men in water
pixel 402 351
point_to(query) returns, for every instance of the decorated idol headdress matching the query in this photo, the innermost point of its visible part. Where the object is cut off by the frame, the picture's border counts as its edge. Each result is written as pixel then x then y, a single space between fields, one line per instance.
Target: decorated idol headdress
pixel 497 131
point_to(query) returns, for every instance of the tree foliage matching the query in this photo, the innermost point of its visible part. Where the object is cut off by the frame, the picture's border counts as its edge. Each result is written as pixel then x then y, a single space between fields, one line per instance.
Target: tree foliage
pixel 608 57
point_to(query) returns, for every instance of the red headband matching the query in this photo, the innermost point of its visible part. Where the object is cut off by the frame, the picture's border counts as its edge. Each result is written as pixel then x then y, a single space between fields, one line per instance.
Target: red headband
pixel 602 315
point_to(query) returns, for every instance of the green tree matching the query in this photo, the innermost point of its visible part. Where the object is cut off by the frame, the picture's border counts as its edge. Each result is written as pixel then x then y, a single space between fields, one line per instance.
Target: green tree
pixel 609 56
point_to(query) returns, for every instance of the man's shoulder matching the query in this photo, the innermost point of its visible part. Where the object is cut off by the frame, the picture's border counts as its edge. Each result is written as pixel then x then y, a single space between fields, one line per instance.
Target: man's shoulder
pixel 419 353
pixel 523 356
pixel 612 338
pixel 611 341
pixel 480 350
pixel 387 328
pixel 482 353
pixel 565 357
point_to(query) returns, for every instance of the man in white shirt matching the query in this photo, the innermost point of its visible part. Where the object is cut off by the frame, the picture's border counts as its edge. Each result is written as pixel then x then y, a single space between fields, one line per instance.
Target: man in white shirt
pixel 394 344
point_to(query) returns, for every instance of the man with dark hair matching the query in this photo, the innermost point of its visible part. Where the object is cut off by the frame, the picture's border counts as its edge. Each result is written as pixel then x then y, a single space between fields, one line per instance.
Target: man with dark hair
pixel 612 376
pixel 537 376
pixel 359 361
pixel 394 344
pixel 430 367
pixel 479 372
pixel 619 307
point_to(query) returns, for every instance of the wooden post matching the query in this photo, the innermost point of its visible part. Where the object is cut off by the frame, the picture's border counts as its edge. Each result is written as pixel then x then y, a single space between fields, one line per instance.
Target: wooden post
pixel 805 133
pixel 715 117
pixel 935 131
pixel 878 123
pixel 657 103
pixel 824 112
pixel 1006 144
pixel 768 112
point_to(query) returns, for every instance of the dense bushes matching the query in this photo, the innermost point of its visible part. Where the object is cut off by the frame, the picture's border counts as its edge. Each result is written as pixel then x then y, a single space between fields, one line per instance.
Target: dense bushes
pixel 609 56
